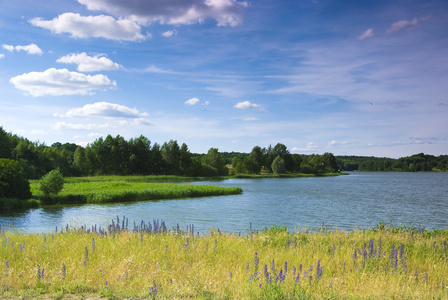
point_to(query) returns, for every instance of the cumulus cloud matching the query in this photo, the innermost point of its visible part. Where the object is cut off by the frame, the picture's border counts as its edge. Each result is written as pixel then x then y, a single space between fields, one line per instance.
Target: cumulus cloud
pixel 246 105
pixel 10 48
pixel 168 33
pixel 88 63
pixel 176 12
pixel 105 109
pixel 192 101
pixel 30 49
pixel 58 82
pixel 366 34
pixel 101 26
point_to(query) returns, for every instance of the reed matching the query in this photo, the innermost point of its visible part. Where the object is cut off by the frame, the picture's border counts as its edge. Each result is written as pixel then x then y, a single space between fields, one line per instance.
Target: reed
pixel 113 190
pixel 148 260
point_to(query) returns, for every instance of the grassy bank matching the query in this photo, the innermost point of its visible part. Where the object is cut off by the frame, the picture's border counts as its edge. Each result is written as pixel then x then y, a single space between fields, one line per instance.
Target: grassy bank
pixel 153 262
pixel 86 190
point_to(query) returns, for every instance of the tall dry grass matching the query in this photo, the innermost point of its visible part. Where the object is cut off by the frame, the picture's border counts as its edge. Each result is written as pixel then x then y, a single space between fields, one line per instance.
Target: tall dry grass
pixel 149 261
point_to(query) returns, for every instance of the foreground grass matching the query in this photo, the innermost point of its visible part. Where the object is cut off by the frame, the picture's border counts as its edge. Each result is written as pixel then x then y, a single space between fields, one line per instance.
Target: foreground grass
pixel 152 262
pixel 113 189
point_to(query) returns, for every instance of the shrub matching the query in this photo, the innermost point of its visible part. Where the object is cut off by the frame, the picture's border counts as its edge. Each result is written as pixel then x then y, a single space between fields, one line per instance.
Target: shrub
pixel 52 183
pixel 13 182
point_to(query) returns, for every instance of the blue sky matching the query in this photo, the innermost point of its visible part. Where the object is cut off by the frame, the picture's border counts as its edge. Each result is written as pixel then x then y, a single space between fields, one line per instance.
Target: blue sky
pixel 347 77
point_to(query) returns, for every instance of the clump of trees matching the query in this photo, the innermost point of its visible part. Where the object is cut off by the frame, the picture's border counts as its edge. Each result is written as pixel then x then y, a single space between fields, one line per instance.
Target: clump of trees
pixel 13 181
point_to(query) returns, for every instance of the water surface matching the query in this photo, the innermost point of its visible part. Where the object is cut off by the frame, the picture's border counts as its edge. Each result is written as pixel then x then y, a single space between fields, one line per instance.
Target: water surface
pixel 358 200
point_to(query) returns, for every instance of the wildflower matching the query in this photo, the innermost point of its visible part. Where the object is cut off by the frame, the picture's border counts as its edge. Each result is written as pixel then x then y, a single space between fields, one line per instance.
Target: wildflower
pixel 86 255
pixel 256 262
pixel 64 271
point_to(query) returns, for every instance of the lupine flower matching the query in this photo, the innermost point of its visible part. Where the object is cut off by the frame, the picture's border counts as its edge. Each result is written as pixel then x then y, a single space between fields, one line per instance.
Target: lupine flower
pixel 93 244
pixel 64 271
pixel 256 262
pixel 416 275
pixel 286 267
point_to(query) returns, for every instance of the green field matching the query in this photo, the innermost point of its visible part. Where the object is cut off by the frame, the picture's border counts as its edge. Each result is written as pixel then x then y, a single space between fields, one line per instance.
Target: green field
pixel 153 262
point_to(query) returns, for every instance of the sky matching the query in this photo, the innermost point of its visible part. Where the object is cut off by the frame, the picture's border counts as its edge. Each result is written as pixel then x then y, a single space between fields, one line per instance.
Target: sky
pixel 352 77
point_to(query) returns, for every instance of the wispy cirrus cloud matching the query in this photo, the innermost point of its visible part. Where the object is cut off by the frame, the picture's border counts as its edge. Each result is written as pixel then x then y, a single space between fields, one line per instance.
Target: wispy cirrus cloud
pixel 176 12
pixel 88 63
pixel 366 34
pixel 101 26
pixel 30 49
pixel 406 24
pixel 58 82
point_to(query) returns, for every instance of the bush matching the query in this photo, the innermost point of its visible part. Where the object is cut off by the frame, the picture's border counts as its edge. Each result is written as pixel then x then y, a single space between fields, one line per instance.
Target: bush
pixel 13 182
pixel 52 183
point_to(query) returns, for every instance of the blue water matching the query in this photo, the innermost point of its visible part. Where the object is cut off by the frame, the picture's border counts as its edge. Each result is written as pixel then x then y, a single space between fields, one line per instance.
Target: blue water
pixel 359 200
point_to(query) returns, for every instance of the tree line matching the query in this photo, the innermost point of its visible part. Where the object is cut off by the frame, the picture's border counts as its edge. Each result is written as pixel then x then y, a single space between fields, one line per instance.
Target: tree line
pixel 415 163
pixel 138 156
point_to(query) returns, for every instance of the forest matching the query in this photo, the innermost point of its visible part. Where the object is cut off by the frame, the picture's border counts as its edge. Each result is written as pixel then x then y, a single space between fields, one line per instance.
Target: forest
pixel 138 156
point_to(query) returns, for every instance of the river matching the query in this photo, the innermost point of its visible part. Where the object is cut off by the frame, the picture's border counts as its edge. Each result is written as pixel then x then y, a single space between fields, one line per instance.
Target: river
pixel 358 200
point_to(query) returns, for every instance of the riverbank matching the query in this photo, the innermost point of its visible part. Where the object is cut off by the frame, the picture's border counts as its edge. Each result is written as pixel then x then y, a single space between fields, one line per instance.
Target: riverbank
pixel 147 260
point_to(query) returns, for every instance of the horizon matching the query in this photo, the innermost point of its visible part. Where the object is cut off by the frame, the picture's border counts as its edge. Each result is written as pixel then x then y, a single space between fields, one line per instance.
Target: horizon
pixel 350 78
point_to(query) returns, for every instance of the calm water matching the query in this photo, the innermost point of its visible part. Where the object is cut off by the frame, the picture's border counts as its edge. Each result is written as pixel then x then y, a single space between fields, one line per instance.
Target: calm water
pixel 358 200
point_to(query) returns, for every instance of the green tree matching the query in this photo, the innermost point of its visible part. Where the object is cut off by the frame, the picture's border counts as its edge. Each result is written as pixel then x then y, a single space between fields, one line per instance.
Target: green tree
pixel 278 165
pixel 13 182
pixel 80 163
pixel 5 144
pixel 214 159
pixel 52 183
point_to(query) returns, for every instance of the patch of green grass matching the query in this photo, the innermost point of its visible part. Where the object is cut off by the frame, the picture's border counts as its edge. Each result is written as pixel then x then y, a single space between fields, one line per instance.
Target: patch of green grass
pixel 114 189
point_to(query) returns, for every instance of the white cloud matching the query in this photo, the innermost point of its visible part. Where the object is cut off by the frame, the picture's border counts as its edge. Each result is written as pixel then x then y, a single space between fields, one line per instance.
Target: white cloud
pixel 309 147
pixel 71 126
pixel 105 109
pixel 2 56
pixel 10 48
pixel 403 24
pixel 250 119
pixel 31 48
pixel 192 101
pixel 246 105
pixel 225 12
pixel 88 63
pixel 92 26
pixel 169 33
pixel 58 82
pixel 366 34
pixel 335 143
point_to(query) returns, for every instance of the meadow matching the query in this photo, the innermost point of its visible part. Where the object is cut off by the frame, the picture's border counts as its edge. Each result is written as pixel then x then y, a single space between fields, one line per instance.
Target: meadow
pixel 150 260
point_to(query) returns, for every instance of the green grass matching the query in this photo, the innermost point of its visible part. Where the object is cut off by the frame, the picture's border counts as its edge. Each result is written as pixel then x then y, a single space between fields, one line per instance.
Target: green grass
pixel 179 265
pixel 115 189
